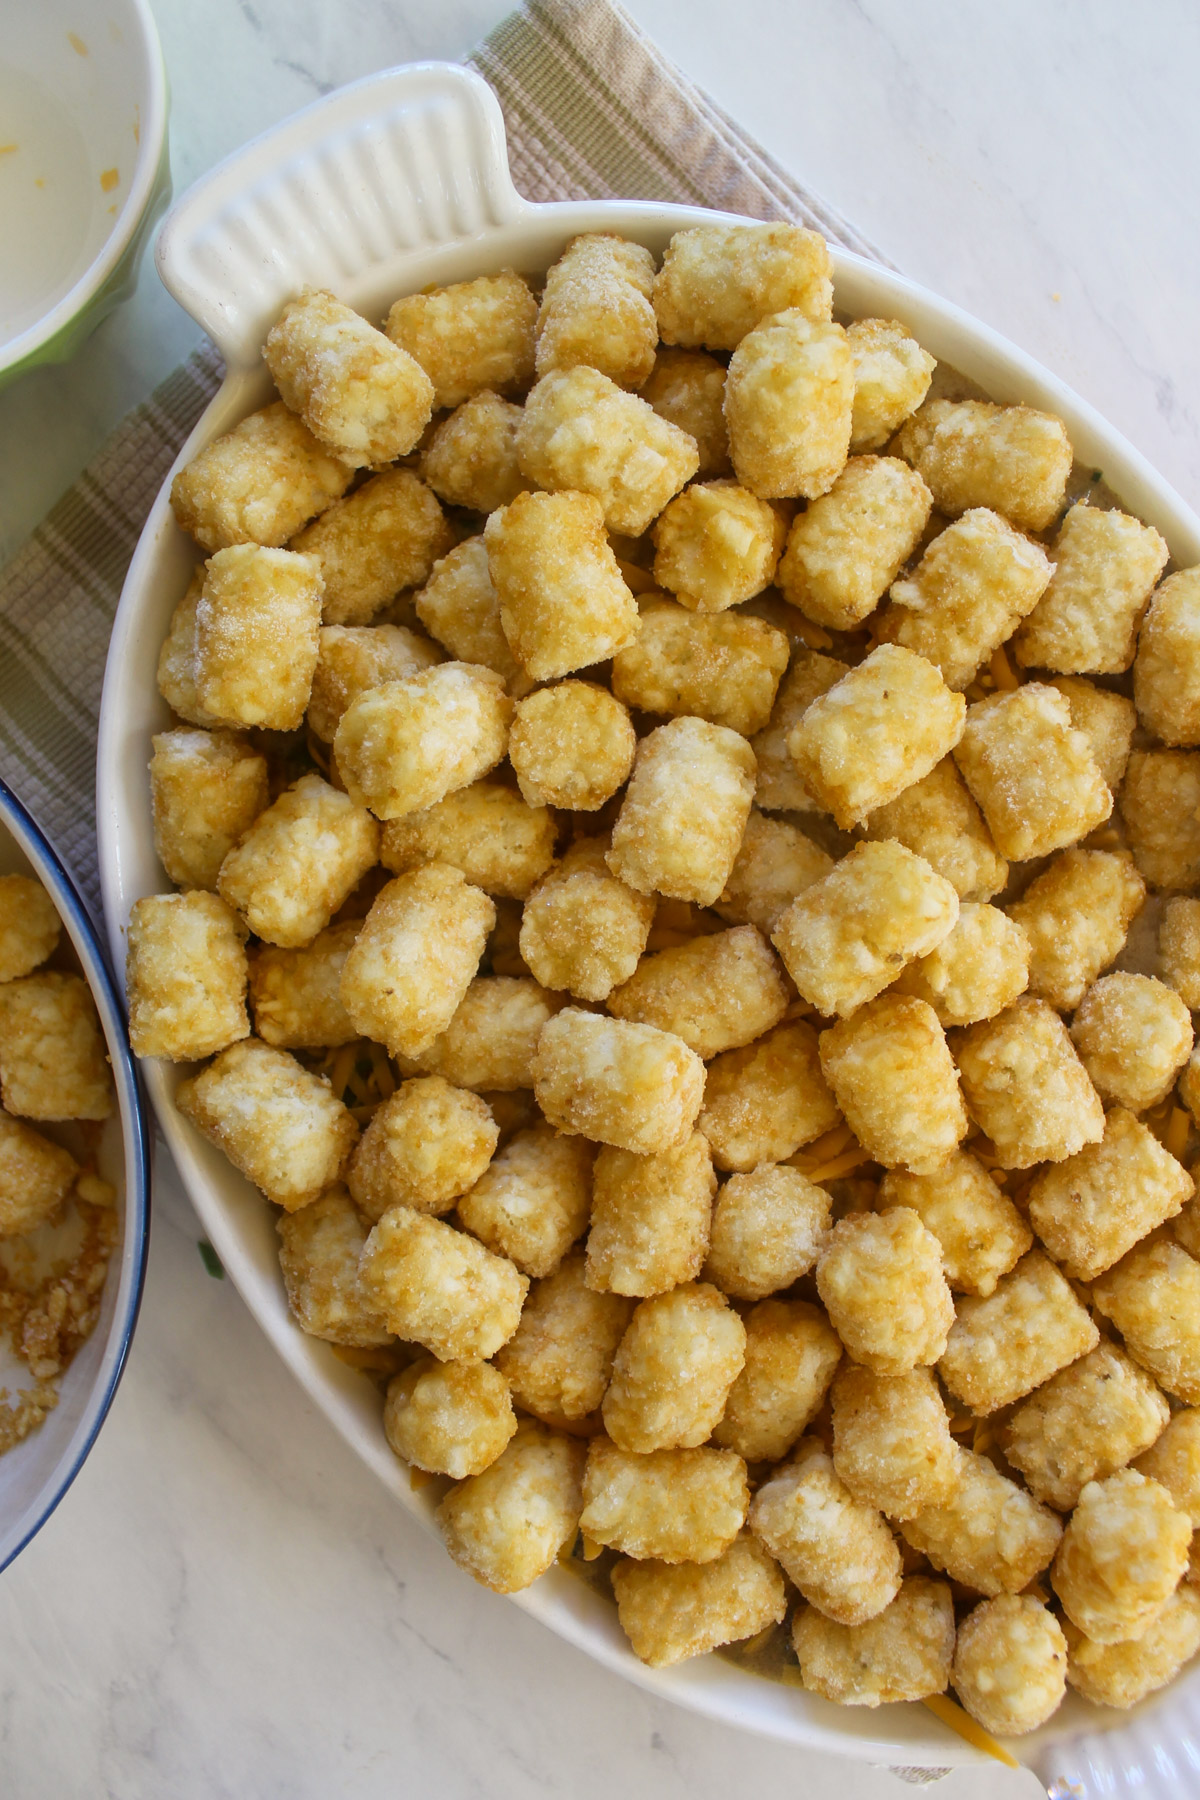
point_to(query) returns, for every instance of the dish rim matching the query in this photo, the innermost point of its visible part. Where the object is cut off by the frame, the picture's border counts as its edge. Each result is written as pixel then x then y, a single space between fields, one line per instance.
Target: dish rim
pixel 85 935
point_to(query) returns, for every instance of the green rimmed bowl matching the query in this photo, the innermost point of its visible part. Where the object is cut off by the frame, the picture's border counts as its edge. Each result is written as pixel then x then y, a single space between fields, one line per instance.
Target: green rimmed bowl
pixel 84 171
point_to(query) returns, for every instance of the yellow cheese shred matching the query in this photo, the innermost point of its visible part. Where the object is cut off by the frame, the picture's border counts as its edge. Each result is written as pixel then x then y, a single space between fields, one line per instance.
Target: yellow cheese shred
pixel 951 1714
pixel 840 1165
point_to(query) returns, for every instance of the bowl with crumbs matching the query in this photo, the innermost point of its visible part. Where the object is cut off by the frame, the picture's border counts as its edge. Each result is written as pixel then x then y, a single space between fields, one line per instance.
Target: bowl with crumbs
pixel 651 776
pixel 74 1180
pixel 84 171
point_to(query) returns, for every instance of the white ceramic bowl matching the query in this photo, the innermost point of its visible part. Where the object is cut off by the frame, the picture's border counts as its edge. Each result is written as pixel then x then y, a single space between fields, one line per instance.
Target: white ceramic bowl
pixel 35 1474
pixel 83 167
pixel 399 181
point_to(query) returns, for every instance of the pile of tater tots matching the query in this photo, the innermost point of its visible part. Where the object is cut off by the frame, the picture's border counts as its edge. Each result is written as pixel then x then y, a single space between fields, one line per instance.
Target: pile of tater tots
pixel 659 777
pixel 53 1070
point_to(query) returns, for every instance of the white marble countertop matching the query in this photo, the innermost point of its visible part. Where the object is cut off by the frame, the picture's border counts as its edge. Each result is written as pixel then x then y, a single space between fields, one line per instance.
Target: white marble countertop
pixel 226 1604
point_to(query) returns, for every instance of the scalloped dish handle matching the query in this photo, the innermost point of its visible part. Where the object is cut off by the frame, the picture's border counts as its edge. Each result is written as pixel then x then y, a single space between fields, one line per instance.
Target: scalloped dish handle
pixel 401 161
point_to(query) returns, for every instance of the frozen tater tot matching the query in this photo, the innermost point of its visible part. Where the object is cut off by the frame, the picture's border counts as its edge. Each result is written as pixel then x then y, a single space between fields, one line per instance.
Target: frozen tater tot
pixel 891 1440
pixel 1122 1555
pixel 1174 1460
pixel 681 1354
pixel 471 457
pixel 990 1534
pixel 1152 1296
pixel 792 1352
pixel 404 746
pixel 671 1613
pixel 650 1218
pixel 1031 772
pixel 36 1175
pixel 1122 1674
pixel 185 976
pixel 717 282
pixel 176 671
pixel 581 928
pixel 880 1277
pixel 506 1526
pixel 450 1418
pixel 892 1074
pixel 257 619
pixel 559 1360
pixel 206 789
pixel 768 1228
pixel 596 310
pixel 428 1143
pixel 259 483
pixel 440 1288
pixel 413 960
pixel 532 1201
pixel 383 537
pixel 563 601
pixel 716 545
pixel 319 1250
pixel 53 1061
pixel 847 936
pixel 628 1085
pixel 365 398
pixel 1179 948
pixel 1166 675
pixel 725 667
pixel 676 1505
pixel 1010 1664
pixel 891 378
pixel 788 399
pixel 29 925
pixel 281 1125
pixel 1092 1208
pixel 1012 459
pixel 353 658
pixel 500 843
pixel 1107 721
pixel 1076 916
pixel 1026 1087
pixel 838 1550
pixel 687 387
pixel 584 434
pixel 978 968
pixel 775 863
pixel 1133 1034
pixel 981 1233
pixel 662 842
pixel 299 861
pixel 778 784
pixel 937 819
pixel 1085 1423
pixel 716 993
pixel 1160 808
pixel 489 1043
pixel 763 1102
pixel 1105 567
pixel 976 581
pixel 571 746
pixel 883 727
pixel 1003 1346
pixel 903 1653
pixel 848 546
pixel 461 609
pixel 470 335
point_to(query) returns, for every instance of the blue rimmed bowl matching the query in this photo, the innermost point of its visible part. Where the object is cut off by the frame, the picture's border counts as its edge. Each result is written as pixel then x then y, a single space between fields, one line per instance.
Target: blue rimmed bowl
pixel 36 1473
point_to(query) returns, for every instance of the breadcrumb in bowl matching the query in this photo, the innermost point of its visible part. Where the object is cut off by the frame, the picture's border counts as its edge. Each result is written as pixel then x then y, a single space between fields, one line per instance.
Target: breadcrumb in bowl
pixel 530 240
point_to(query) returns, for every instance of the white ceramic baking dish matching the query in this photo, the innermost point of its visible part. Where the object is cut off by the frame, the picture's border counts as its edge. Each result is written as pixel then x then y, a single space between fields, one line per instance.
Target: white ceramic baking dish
pixel 396 182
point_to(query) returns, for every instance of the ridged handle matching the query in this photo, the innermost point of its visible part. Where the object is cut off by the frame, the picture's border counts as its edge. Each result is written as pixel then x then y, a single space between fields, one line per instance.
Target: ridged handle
pixel 398 162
